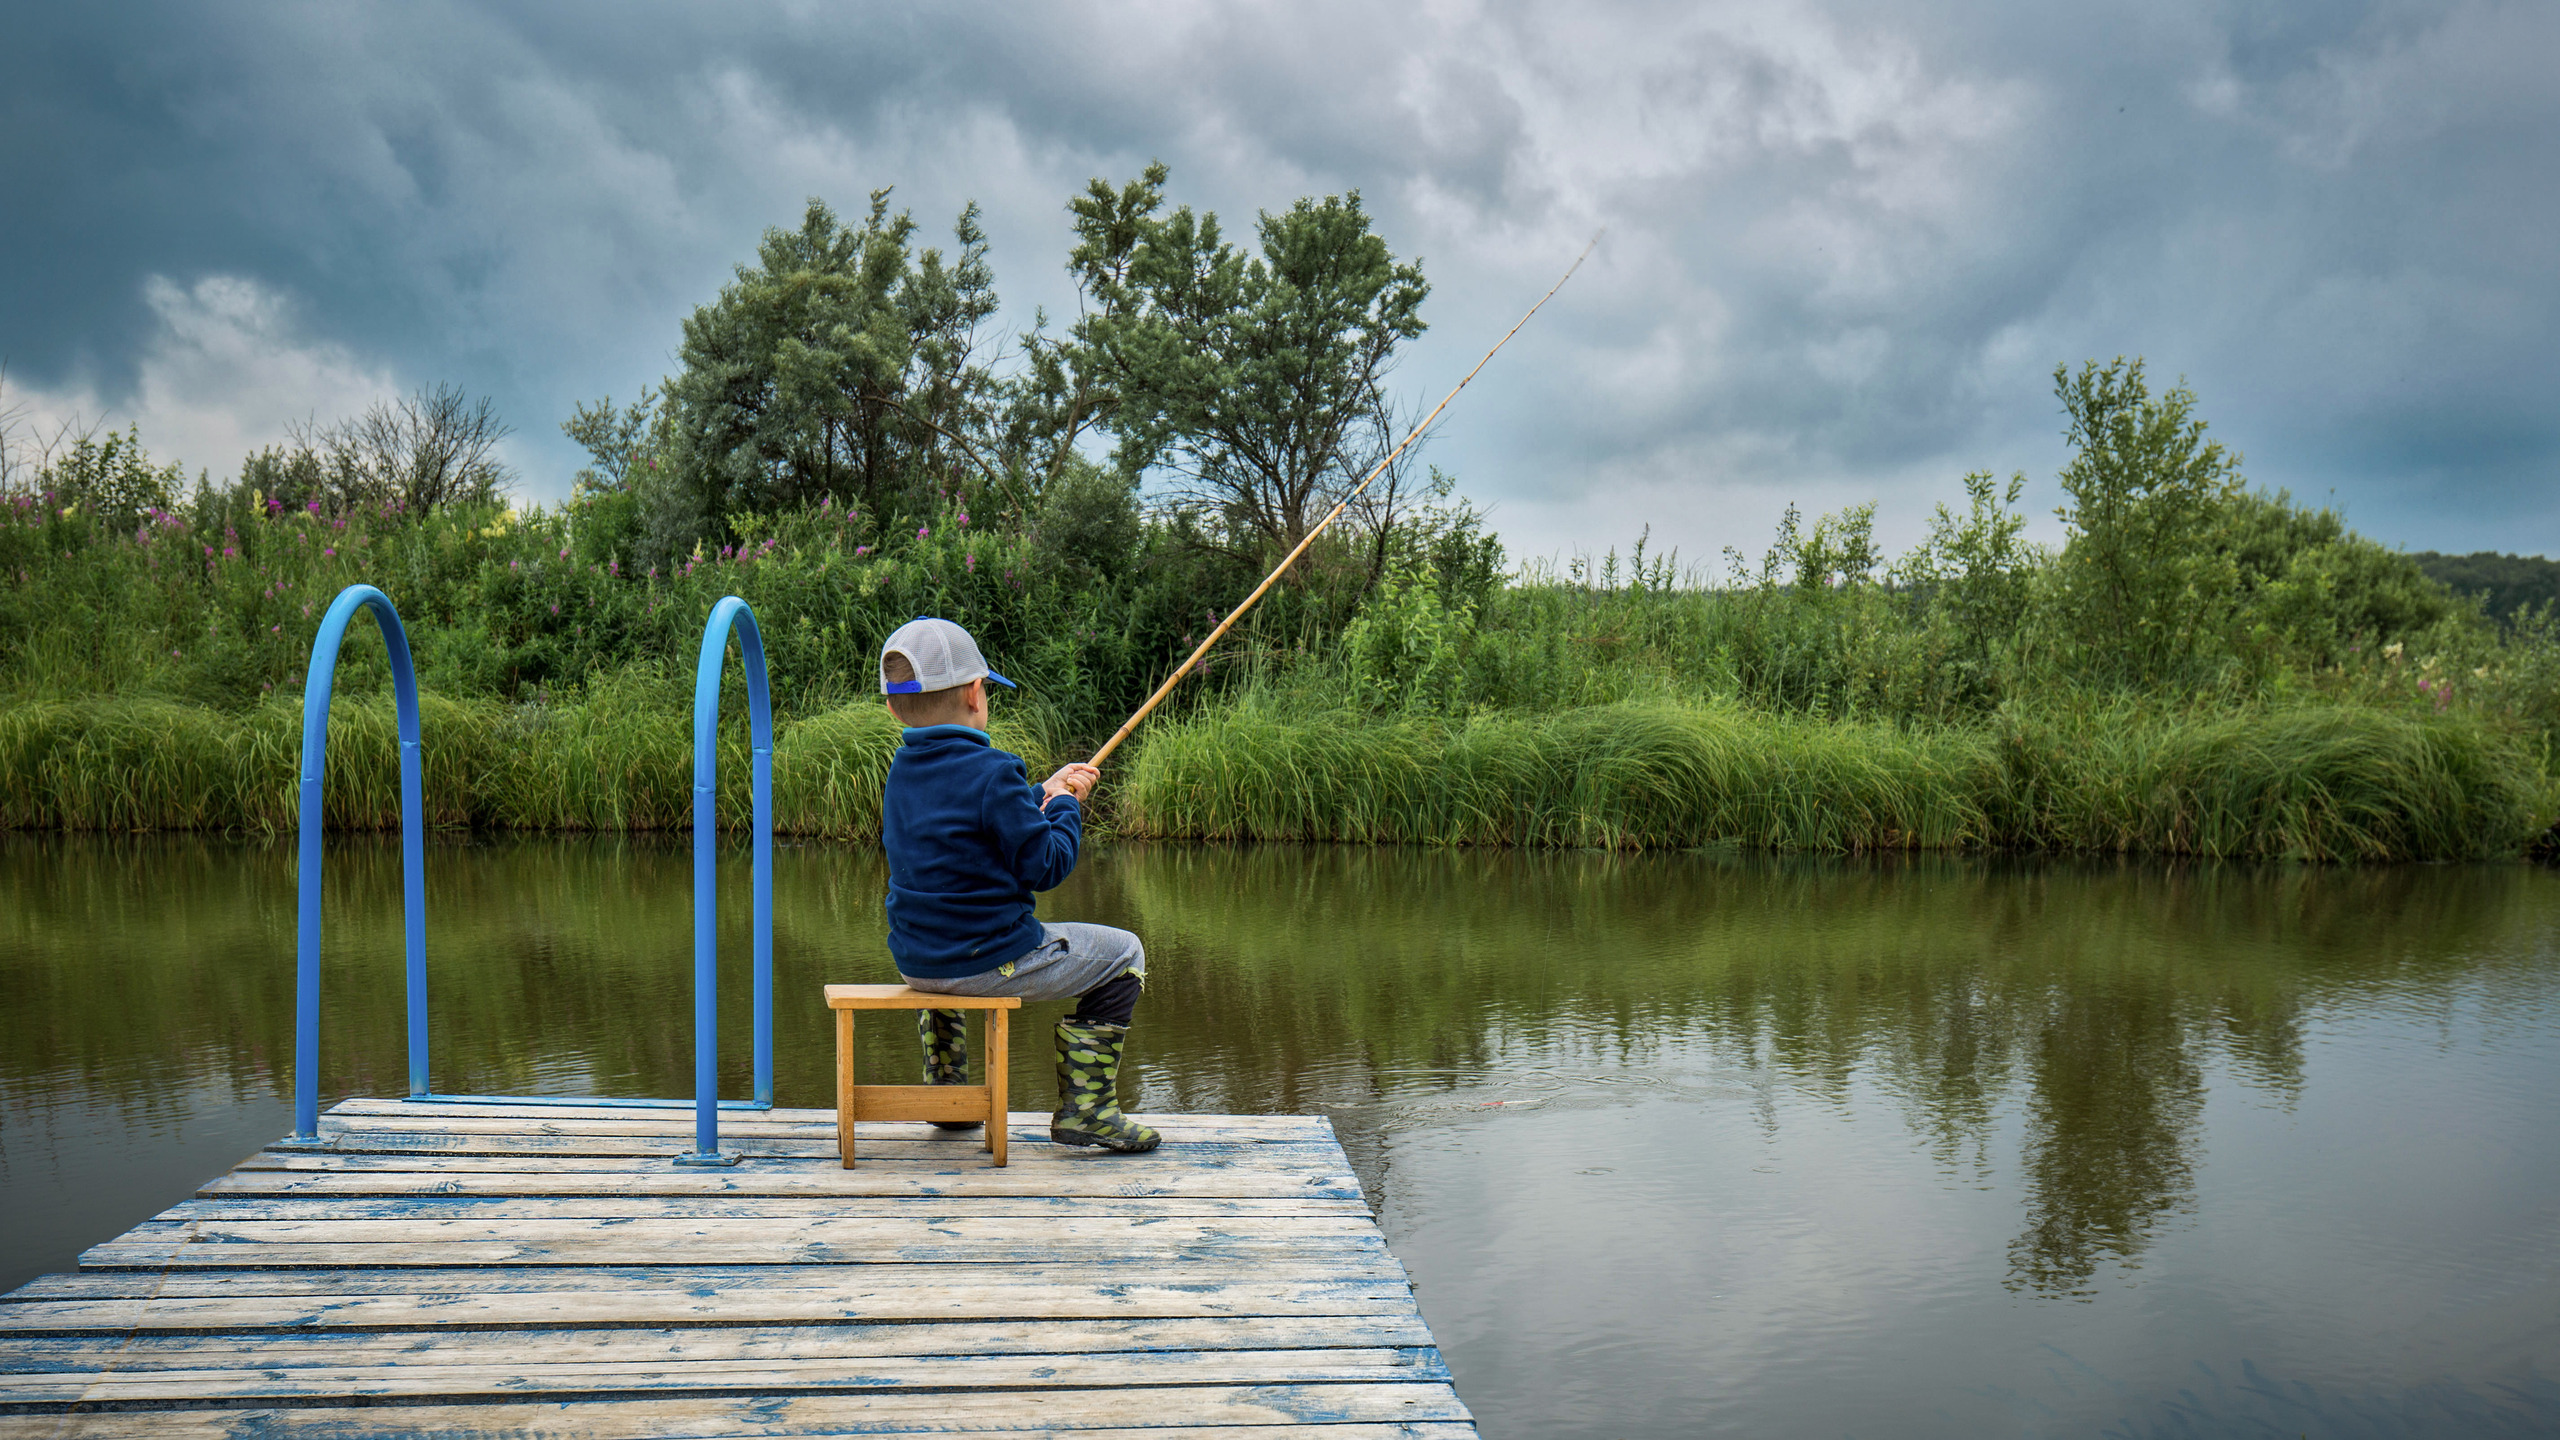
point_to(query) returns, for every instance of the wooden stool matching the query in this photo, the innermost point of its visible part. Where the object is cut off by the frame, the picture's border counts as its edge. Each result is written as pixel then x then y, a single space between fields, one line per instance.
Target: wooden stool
pixel 919 1102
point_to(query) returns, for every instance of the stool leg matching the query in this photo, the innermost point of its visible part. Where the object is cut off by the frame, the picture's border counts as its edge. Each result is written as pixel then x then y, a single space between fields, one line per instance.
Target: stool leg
pixel 999 1094
pixel 844 1087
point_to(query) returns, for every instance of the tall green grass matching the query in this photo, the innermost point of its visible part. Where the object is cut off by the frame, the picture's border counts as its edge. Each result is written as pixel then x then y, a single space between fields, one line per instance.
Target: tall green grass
pixel 1614 777
pixel 141 764
pixel 2319 783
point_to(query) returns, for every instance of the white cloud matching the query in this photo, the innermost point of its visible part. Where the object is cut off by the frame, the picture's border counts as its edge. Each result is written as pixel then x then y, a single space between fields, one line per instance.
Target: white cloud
pixel 227 369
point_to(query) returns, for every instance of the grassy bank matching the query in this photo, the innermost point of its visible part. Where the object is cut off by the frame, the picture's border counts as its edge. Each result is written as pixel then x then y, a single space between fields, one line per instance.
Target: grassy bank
pixel 2326 783
pixel 122 765
pixel 2313 783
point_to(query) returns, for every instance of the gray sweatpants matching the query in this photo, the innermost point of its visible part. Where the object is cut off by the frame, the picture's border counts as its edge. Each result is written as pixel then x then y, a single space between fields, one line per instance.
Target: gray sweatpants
pixel 1072 959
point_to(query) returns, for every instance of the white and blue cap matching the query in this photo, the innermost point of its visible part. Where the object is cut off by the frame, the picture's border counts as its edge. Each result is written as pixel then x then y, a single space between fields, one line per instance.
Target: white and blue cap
pixel 943 655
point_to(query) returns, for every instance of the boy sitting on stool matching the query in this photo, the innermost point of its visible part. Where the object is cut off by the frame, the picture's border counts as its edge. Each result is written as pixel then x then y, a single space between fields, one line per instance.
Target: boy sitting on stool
pixel 969 840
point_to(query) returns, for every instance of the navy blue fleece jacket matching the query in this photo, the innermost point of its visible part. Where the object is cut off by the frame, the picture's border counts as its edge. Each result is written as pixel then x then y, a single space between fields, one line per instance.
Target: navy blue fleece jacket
pixel 968 843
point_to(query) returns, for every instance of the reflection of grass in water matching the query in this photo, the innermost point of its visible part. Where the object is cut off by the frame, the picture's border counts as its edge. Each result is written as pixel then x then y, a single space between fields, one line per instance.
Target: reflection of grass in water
pixel 2090 994
pixel 2321 783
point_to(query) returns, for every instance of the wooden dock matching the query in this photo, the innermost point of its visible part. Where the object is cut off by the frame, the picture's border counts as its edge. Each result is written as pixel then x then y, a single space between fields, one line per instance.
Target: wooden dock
pixel 519 1270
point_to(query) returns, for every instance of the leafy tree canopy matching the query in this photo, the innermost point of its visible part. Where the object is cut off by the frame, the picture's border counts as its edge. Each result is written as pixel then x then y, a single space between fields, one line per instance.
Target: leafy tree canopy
pixel 843 365
pixel 1255 382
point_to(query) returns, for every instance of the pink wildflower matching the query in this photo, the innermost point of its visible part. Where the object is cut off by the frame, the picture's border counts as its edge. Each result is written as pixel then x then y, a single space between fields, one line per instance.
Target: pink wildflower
pixel 922 532
pixel 964 517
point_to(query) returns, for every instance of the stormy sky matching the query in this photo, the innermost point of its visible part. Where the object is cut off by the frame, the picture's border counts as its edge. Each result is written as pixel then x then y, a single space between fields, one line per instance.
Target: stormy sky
pixel 1847 242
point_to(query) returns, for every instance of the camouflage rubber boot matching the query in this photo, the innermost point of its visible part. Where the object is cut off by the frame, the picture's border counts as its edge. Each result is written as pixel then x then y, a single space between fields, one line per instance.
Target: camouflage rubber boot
pixel 945 1034
pixel 1089 1088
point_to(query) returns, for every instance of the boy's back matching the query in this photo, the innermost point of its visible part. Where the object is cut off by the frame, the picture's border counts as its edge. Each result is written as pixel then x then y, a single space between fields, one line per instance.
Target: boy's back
pixel 968 844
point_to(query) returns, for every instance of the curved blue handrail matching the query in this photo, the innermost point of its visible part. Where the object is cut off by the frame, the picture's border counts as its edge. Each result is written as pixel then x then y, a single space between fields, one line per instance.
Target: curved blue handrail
pixel 413 865
pixel 730 613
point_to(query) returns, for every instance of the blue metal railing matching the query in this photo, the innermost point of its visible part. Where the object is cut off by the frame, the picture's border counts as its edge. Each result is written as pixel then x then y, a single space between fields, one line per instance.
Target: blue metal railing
pixel 706 716
pixel 730 613
pixel 413 861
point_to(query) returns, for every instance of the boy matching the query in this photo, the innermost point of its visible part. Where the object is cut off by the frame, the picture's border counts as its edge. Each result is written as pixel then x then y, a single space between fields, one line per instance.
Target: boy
pixel 969 840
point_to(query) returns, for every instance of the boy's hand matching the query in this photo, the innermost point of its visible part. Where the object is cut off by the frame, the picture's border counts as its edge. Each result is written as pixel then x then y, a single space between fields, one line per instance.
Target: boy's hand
pixel 1075 779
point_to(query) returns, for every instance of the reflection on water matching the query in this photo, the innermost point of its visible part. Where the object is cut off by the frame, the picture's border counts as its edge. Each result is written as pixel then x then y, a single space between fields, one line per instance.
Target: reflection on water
pixel 1672 1144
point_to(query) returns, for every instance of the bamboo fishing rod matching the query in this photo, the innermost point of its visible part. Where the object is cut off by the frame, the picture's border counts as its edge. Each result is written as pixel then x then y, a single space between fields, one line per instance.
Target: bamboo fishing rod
pixel 1283 567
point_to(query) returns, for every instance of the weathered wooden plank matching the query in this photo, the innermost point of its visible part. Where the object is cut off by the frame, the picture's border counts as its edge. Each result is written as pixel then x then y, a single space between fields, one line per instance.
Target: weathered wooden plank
pixel 762 1376
pixel 751 1252
pixel 1373 1431
pixel 1135 1413
pixel 888 1126
pixel 621 1204
pixel 630 1152
pixel 435 1142
pixel 257 1423
pixel 1379 1267
pixel 682 1118
pixel 232 1350
pixel 902 1140
pixel 1181 1295
pixel 949 1224
pixel 938 1240
pixel 504 1178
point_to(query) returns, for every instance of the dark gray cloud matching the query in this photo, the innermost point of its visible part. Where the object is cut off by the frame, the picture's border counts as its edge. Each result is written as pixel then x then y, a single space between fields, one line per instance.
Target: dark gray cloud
pixel 1847 241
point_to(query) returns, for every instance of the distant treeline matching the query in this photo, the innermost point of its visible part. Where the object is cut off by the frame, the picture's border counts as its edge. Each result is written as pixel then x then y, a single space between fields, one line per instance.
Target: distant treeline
pixel 2505 585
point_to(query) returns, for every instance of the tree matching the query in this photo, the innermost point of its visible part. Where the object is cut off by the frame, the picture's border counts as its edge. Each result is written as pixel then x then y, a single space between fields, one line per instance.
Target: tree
pixel 433 448
pixel 618 440
pixel 115 478
pixel 839 366
pixel 1065 389
pixel 2144 589
pixel 1255 382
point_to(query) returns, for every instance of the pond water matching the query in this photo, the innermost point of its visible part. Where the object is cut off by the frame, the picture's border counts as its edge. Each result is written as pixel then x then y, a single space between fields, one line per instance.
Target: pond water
pixel 1672 1145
